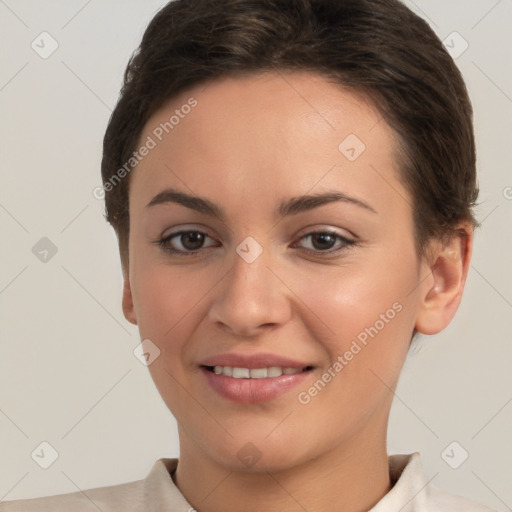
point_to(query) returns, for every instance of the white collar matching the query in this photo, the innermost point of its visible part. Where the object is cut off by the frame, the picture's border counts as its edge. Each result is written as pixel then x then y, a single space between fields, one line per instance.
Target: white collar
pixel 411 491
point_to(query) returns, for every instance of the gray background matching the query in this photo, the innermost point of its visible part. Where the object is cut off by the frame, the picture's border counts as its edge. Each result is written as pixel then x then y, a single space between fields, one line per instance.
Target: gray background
pixel 68 373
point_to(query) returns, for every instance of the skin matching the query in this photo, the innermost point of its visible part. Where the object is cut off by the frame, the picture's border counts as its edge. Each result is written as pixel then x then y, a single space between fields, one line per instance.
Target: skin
pixel 249 143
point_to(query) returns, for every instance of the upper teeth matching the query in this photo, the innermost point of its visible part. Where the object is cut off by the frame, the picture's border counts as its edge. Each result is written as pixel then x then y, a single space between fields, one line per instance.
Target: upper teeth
pixel 253 373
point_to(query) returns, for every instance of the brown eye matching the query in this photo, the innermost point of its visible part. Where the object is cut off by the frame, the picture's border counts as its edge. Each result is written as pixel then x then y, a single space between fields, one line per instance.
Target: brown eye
pixel 188 242
pixel 192 240
pixel 323 241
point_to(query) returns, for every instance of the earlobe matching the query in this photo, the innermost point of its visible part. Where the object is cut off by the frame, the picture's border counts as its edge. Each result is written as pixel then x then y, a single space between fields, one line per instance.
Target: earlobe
pixel 128 309
pixel 442 292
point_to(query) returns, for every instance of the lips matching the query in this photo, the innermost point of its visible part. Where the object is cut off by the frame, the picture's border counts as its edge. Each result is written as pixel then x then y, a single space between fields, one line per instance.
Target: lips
pixel 253 378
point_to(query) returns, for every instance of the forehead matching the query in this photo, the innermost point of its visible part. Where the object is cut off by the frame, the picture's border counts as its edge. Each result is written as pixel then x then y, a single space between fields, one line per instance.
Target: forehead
pixel 266 136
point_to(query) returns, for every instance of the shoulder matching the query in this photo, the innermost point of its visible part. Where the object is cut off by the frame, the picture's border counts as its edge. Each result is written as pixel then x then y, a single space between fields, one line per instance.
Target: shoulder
pixel 127 497
pixel 442 501
pixel 412 492
pixel 155 491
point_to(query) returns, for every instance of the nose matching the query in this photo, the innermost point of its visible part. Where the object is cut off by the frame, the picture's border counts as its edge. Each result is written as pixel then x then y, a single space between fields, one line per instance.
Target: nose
pixel 251 298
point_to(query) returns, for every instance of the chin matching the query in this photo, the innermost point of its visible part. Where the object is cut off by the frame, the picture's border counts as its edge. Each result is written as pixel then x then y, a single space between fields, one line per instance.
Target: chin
pixel 255 461
pixel 258 456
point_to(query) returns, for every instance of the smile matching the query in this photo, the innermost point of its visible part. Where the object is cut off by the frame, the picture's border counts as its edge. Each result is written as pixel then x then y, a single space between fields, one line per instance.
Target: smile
pixel 254 373
pixel 253 385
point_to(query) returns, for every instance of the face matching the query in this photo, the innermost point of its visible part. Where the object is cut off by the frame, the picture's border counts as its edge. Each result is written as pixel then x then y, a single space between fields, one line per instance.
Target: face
pixel 328 286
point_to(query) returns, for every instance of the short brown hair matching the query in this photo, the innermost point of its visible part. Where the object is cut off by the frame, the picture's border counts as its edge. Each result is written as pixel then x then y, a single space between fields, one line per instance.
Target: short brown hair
pixel 379 47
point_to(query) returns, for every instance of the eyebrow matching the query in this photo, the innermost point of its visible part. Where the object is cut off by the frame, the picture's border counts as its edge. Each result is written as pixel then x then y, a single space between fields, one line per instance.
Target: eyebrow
pixel 291 206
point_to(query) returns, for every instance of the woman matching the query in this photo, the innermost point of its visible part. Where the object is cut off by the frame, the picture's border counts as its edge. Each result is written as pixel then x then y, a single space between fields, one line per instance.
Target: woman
pixel 291 183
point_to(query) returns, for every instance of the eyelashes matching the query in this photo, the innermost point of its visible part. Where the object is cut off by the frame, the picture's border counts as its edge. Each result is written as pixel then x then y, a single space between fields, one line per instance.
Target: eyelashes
pixel 318 236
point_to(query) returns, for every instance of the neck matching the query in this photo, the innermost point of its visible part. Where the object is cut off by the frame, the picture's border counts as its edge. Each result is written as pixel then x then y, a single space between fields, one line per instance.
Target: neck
pixel 352 477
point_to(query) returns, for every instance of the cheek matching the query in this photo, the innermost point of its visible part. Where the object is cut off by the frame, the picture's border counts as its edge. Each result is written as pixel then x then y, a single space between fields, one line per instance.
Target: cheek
pixel 362 314
pixel 165 300
pixel 348 299
pixel 366 321
pixel 168 303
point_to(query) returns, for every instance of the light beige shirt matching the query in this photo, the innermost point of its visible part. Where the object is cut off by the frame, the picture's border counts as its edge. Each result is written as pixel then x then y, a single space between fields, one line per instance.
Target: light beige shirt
pixel 411 492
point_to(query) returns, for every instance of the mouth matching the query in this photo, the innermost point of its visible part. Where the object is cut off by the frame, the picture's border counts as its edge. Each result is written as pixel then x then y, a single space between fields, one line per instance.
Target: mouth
pixel 255 373
pixel 253 385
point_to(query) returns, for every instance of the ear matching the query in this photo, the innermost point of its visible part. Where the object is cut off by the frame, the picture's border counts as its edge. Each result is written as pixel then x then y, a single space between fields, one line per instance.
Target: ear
pixel 128 309
pixel 448 263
